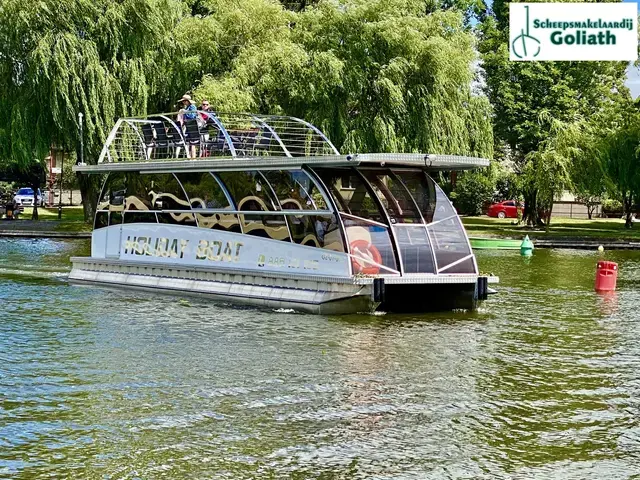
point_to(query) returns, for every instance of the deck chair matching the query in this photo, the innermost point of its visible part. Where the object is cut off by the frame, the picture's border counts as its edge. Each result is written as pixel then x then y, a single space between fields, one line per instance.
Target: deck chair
pixel 167 138
pixel 149 138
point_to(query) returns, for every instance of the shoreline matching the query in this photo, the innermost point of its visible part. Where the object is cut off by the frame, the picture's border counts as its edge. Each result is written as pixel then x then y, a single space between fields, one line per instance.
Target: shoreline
pixel 576 243
pixel 17 233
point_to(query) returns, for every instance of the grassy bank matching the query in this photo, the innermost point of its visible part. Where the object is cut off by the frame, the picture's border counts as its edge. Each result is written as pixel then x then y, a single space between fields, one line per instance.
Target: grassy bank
pixel 72 221
pixel 605 228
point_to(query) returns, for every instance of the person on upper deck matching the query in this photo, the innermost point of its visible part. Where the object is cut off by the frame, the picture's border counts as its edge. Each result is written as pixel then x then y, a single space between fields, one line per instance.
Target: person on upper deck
pixel 188 110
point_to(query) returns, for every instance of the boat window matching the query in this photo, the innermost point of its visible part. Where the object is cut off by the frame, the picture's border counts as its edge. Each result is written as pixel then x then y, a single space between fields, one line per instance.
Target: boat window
pixel 320 231
pixel 115 218
pixel 295 190
pixel 370 246
pixel 111 200
pixel 449 240
pixel 251 192
pixel 354 200
pixel 204 192
pixel 422 189
pixel 415 249
pixel 393 196
pixel 156 198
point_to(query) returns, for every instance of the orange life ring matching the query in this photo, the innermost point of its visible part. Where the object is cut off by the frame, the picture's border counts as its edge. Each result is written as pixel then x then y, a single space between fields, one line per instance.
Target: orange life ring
pixel 364 249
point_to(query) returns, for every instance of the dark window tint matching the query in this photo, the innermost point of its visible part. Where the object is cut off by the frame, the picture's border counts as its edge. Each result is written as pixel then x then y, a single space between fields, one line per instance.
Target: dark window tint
pixel 295 190
pixel 316 231
pixel 266 226
pixel 102 219
pixel 113 193
pixel 415 249
pixel 203 190
pixel 249 191
pixel 393 196
pixel 422 189
pixel 355 201
pixel 115 218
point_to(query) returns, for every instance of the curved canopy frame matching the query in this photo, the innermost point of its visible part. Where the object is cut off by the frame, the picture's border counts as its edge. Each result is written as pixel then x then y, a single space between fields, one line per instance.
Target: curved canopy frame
pixel 209 135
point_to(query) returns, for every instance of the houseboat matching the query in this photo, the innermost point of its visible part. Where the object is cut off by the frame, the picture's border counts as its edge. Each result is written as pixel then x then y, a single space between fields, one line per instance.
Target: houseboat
pixel 263 210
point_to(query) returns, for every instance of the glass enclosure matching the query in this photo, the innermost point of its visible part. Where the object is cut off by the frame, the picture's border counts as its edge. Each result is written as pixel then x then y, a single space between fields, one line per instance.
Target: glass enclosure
pixel 394 221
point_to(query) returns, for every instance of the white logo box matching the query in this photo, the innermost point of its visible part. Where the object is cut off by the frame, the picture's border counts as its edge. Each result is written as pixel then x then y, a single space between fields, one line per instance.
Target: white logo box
pixel 573 31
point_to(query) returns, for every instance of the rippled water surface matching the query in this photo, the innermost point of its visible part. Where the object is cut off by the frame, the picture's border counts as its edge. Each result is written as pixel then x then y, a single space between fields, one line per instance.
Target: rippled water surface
pixel 542 382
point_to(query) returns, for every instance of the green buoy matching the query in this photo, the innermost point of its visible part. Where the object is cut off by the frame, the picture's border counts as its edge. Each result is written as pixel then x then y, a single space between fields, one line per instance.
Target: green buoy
pixel 526 247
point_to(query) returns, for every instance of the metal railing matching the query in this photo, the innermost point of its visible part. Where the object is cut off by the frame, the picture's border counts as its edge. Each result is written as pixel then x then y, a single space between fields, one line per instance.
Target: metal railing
pixel 204 134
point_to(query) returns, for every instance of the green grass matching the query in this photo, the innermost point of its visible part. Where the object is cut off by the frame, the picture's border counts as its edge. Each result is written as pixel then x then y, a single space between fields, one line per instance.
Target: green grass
pixel 601 228
pixel 72 219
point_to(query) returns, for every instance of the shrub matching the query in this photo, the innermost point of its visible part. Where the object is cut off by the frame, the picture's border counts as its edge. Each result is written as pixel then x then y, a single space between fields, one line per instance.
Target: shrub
pixel 473 193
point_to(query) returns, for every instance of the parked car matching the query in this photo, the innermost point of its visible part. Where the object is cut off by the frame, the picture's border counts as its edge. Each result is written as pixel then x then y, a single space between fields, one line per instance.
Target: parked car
pixel 24 197
pixel 506 209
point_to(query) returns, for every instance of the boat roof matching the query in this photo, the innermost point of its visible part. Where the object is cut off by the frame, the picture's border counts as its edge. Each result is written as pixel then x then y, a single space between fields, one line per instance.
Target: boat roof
pixel 240 141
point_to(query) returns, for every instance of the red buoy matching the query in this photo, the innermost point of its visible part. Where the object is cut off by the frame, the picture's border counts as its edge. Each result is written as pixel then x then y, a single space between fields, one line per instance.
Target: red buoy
pixel 606 276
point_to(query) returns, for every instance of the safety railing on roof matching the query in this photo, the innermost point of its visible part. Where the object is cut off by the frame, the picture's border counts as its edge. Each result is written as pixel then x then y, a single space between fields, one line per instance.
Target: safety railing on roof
pixel 203 134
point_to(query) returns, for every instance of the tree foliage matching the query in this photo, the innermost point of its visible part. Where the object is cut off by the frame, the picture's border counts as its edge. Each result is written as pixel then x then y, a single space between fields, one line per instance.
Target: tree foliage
pixel 380 75
pixel 532 102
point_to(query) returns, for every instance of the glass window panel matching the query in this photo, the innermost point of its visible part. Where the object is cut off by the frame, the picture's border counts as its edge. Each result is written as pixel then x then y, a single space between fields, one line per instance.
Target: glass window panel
pixel 113 193
pixel 415 249
pixel 449 242
pixel 466 266
pixel 136 216
pixel 295 190
pixel 266 226
pixel 316 231
pixel 360 232
pixel 449 239
pixel 393 197
pixel 354 200
pixel 203 190
pixel 115 218
pixel 102 219
pixel 422 189
pixel 177 218
pixel 219 221
pixel 249 191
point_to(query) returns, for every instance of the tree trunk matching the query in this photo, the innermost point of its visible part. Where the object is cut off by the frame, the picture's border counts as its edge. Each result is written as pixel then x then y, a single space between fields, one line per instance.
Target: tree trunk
pixel 530 215
pixel 627 208
pixel 89 190
pixel 548 219
pixel 34 214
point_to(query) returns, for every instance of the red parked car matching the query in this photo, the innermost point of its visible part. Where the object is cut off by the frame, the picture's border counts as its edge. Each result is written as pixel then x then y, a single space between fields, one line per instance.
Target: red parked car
pixel 506 209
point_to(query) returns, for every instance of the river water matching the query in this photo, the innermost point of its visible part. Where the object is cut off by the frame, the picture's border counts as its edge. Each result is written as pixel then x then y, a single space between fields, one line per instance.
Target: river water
pixel 541 382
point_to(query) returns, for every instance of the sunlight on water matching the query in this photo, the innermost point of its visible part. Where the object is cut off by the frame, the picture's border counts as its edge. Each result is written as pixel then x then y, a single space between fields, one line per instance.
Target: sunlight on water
pixel 541 382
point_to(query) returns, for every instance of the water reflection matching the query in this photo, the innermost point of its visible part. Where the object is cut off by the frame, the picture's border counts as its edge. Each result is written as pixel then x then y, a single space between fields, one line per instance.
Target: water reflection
pixel 540 383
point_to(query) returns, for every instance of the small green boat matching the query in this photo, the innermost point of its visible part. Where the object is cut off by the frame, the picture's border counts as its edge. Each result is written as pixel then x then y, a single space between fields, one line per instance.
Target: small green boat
pixel 495 243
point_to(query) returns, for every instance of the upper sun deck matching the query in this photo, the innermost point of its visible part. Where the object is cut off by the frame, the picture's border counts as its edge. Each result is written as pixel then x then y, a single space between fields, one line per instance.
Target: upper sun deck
pixel 238 141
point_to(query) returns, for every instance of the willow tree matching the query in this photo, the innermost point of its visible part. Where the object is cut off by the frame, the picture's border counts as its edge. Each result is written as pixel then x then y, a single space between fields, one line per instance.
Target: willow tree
pixel 619 154
pixel 374 75
pixel 101 58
